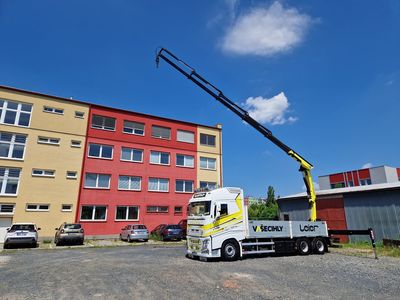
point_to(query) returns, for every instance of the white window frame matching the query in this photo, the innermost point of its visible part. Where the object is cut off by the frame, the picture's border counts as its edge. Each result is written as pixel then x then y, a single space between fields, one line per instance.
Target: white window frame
pixel 184 186
pixel 79 114
pixel 4 108
pixel 178 212
pixel 185 132
pixel 70 176
pixel 103 126
pixel 12 144
pixel 48 140
pixel 213 184
pixel 93 213
pixel 131 150
pixel 53 110
pixel 157 211
pixel 207 137
pixel 130 183
pixel 6 177
pixel 158 185
pixel 159 154
pixel 38 208
pixel 127 212
pixel 208 159
pixel 134 128
pixel 43 173
pixel 160 137
pixel 101 151
pixel 7 213
pixel 66 209
pixel 76 144
pixel 97 181
pixel 184 161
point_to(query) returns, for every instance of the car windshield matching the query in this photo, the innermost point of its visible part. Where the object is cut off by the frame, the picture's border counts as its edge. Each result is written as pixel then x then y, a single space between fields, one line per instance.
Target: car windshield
pixel 173 227
pixel 72 226
pixel 201 208
pixel 139 227
pixel 29 227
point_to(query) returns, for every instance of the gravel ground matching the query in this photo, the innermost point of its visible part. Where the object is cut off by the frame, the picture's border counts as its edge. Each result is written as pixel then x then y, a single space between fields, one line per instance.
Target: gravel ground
pixel 163 272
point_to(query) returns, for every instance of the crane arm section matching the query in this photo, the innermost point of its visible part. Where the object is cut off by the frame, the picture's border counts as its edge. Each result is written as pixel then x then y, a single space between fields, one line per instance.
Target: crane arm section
pixel 191 74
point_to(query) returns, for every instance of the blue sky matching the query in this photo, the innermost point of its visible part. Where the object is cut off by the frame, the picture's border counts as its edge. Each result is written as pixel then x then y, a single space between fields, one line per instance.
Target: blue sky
pixel 323 76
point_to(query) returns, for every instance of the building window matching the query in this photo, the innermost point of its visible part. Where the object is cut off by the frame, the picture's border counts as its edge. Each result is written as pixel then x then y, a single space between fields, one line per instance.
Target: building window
pixel 130 183
pixel 338 185
pixel 133 128
pixel 160 158
pixel 161 132
pixel 48 140
pixel 76 144
pixel 208 163
pixel 93 213
pixel 43 173
pixel 100 151
pixel 97 181
pixel 158 184
pixel 53 110
pixel 37 207
pixel 15 113
pixel 350 183
pixel 178 210
pixel 72 174
pixel 157 209
pixel 184 160
pixel 127 213
pixel 105 123
pixel 130 154
pixel 6 208
pixel 365 181
pixel 12 145
pixel 66 207
pixel 207 139
pixel 185 136
pixel 79 114
pixel 9 180
pixel 208 185
pixel 184 186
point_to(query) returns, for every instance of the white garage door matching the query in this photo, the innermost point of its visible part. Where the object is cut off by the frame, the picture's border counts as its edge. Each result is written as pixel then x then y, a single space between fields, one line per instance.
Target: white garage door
pixel 4 224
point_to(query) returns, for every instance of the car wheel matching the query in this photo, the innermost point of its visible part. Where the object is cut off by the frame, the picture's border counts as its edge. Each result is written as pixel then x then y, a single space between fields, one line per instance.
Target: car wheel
pixel 82 242
pixel 120 237
pixel 318 246
pixel 129 239
pixel 145 240
pixel 303 246
pixel 6 246
pixel 230 250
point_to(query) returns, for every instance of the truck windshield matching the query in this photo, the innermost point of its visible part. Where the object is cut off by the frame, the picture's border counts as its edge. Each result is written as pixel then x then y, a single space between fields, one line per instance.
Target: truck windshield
pixel 201 208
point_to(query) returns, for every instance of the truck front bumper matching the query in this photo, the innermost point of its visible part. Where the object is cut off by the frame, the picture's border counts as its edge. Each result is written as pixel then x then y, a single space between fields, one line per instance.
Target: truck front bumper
pixel 201 247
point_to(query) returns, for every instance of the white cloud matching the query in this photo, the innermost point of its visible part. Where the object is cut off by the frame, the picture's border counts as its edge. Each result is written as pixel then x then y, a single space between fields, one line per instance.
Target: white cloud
pixel 266 31
pixel 272 110
pixel 367 166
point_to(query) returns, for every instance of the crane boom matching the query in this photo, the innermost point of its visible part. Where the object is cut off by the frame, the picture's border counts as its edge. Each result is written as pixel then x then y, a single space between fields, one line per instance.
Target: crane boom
pixel 191 74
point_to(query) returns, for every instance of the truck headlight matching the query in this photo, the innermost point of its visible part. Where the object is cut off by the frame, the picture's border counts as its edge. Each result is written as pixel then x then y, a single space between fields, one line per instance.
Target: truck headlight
pixel 204 246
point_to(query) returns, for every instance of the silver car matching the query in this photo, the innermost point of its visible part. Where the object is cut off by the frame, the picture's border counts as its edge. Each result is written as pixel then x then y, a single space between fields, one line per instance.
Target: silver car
pixel 21 234
pixel 134 232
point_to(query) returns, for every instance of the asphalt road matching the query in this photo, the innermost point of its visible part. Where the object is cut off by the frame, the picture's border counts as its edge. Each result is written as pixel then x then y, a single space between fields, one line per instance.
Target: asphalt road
pixel 159 272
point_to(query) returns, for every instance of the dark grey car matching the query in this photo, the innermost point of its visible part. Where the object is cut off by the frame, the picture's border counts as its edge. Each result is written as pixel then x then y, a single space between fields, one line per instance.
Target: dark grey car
pixel 71 233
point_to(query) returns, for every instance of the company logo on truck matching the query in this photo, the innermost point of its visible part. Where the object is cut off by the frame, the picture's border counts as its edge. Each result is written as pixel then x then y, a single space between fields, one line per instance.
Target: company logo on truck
pixel 308 227
pixel 262 228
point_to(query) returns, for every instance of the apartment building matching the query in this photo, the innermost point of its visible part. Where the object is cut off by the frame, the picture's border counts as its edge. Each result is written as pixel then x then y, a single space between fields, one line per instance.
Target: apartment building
pixel 143 169
pixel 42 140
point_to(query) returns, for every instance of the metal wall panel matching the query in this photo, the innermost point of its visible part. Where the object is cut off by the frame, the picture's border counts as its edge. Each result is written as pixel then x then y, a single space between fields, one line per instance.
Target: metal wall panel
pixel 297 209
pixel 379 210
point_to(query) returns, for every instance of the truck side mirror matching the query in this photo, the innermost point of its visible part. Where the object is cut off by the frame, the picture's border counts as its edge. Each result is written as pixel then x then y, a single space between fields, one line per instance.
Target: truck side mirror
pixel 217 210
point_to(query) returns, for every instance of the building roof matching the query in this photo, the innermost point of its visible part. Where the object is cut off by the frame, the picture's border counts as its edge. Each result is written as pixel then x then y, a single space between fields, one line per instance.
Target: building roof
pixel 369 168
pixel 218 126
pixel 353 189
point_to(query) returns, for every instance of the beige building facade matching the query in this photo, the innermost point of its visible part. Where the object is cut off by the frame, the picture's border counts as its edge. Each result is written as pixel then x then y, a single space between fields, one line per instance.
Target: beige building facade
pixel 42 140
pixel 209 156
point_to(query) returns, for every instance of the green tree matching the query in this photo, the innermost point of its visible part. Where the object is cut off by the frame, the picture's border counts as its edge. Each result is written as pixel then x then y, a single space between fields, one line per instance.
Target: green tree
pixel 267 210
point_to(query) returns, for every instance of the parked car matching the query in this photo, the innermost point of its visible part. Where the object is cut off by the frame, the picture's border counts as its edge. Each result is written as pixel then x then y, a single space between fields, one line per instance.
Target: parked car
pixel 183 225
pixel 134 232
pixel 158 229
pixel 169 232
pixel 69 233
pixel 21 234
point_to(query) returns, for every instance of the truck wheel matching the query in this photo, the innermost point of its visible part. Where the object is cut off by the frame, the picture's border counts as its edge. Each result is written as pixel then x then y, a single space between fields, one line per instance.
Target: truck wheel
pixel 230 250
pixel 303 246
pixel 318 246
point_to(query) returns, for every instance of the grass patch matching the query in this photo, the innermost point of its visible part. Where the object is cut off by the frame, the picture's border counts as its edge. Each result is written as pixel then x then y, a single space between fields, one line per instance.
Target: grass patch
pixel 366 247
pixel 155 237
pixel 47 241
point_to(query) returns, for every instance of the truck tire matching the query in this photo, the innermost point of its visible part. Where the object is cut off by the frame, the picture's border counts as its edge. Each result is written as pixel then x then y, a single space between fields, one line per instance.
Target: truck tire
pixel 230 250
pixel 318 246
pixel 303 246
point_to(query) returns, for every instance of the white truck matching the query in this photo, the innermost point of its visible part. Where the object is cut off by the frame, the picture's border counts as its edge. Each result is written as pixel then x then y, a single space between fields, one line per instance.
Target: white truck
pixel 218 226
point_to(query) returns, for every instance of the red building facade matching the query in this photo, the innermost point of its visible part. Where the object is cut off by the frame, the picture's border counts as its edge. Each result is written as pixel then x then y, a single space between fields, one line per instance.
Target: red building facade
pixel 137 169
